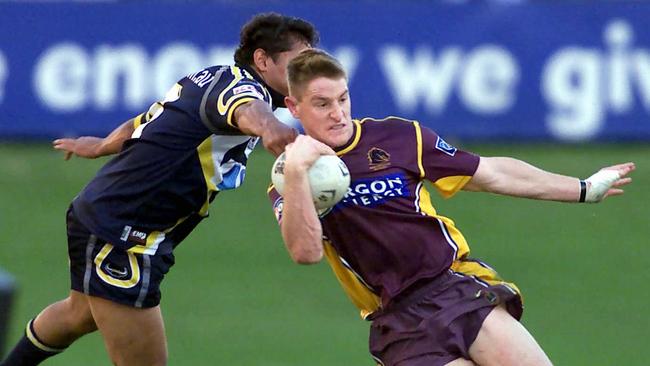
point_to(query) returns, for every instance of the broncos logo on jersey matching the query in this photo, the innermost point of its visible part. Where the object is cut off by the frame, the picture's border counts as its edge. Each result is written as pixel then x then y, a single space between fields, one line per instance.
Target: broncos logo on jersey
pixel 378 159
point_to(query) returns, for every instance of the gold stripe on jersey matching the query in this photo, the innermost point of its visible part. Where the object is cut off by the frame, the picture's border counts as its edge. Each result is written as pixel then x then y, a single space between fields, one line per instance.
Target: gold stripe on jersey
pixel 483 273
pixel 234 107
pixel 462 248
pixel 226 108
pixel 207 166
pixel 360 295
pixel 133 263
pixel 357 137
pixel 418 139
pixel 137 120
pixel 364 120
pixel 448 186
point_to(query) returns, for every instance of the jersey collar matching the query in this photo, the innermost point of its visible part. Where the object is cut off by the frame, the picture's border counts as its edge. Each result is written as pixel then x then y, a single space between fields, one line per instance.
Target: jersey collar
pixel 353 141
pixel 276 96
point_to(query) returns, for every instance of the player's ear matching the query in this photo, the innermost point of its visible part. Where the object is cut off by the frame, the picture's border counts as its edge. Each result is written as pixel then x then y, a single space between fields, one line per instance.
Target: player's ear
pixel 292 105
pixel 260 59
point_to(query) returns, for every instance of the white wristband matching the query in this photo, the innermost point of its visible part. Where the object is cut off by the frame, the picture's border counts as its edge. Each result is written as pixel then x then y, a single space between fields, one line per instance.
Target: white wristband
pixel 599 183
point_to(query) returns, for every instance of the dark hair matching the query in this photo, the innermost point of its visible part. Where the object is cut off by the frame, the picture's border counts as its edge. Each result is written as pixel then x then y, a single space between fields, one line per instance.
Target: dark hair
pixel 311 64
pixel 274 33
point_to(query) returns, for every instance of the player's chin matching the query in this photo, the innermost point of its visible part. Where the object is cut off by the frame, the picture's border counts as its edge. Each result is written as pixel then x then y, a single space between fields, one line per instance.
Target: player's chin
pixel 336 141
pixel 339 134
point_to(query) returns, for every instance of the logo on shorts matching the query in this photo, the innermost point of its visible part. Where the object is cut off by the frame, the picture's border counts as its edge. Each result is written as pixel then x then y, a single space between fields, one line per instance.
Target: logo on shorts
pixel 134 236
pixel 117 273
pixel 378 159
pixel 125 233
pixel 138 237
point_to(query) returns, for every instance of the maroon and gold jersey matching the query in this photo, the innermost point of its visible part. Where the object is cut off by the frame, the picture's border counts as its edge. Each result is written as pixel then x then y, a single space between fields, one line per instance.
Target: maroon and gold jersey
pixel 385 234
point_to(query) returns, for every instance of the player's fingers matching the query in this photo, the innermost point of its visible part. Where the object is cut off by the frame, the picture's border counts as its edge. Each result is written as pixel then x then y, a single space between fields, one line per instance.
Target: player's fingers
pixel 323 149
pixel 276 151
pixel 624 167
pixel 622 182
pixel 614 192
pixel 294 133
pixel 64 144
pixel 327 151
pixel 617 166
pixel 289 148
pixel 275 147
pixel 62 141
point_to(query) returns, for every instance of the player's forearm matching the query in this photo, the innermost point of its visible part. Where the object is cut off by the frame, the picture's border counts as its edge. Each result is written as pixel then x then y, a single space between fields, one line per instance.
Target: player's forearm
pixel 112 144
pixel 301 228
pixel 516 178
pixel 253 118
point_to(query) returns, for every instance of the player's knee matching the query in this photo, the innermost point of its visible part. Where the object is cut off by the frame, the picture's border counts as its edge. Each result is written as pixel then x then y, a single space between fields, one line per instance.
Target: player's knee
pixel 79 317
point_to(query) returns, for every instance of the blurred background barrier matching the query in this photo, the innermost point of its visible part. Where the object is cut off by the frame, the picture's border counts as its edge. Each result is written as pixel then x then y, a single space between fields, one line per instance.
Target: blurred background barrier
pixel 556 71
pixel 7 288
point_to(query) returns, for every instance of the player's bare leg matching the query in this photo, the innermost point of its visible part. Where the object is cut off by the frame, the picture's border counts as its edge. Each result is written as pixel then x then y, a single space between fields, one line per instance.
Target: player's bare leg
pixel 133 336
pixel 504 341
pixel 52 331
pixel 63 322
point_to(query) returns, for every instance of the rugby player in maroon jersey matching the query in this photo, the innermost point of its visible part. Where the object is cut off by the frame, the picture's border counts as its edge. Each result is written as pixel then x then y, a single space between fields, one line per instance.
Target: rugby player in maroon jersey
pixel 406 267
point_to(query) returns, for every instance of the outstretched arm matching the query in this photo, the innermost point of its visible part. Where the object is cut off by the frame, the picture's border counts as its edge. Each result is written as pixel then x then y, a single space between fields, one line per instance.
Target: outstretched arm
pixel 256 118
pixel 93 147
pixel 516 178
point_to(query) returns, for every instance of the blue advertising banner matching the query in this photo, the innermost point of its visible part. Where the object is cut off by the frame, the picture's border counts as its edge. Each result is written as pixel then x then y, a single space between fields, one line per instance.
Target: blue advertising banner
pixel 547 72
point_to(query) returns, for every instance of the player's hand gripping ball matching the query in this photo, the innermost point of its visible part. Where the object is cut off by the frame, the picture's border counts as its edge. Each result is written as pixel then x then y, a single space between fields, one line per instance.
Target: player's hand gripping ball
pixel 329 179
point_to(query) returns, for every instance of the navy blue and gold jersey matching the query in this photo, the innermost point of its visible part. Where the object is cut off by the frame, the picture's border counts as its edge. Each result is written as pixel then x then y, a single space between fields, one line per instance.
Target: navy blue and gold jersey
pixel 184 150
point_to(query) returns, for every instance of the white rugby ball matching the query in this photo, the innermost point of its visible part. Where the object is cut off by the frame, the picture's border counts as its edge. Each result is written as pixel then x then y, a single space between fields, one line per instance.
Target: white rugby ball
pixel 329 179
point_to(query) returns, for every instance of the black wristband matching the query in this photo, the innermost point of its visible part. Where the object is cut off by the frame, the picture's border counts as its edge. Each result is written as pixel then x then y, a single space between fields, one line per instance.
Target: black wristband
pixel 583 190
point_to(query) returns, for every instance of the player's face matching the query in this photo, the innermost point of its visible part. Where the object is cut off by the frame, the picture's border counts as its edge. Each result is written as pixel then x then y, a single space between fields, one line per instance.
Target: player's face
pixel 276 70
pixel 324 111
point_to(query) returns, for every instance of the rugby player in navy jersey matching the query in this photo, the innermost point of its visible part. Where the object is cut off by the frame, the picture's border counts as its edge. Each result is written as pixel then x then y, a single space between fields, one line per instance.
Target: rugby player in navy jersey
pixel 406 267
pixel 173 160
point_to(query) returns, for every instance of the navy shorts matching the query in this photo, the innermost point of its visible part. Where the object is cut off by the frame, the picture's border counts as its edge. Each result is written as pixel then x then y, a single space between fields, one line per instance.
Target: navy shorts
pixel 436 320
pixel 100 269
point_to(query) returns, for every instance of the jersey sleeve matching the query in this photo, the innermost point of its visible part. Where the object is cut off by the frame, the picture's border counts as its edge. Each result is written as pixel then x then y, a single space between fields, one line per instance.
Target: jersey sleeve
pixel 276 202
pixel 235 88
pixel 447 167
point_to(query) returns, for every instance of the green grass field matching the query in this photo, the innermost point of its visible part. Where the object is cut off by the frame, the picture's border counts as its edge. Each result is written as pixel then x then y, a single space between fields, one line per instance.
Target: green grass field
pixel 235 298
